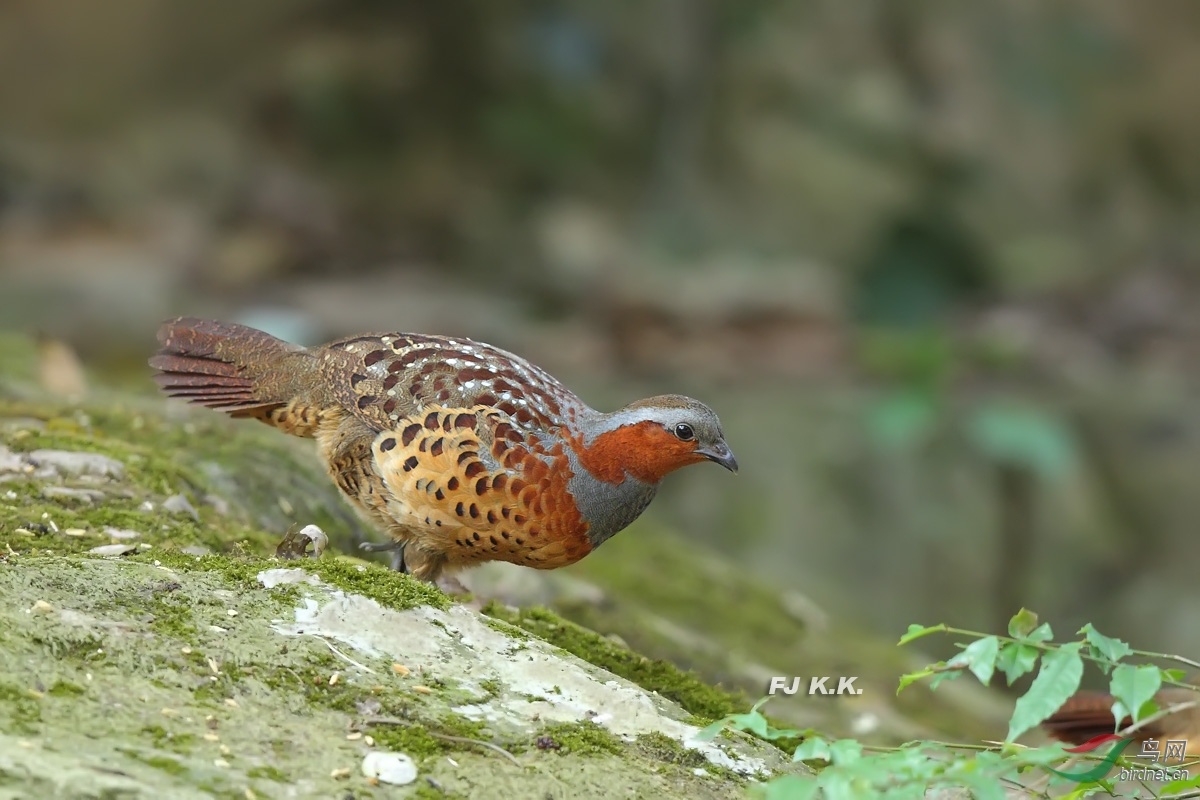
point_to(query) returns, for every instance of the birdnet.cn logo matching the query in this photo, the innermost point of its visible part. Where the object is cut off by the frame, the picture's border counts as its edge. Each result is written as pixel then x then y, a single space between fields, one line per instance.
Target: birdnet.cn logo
pixel 1160 754
pixel 815 685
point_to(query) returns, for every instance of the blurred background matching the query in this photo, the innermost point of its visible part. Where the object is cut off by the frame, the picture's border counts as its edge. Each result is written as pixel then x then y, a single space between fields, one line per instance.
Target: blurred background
pixel 934 264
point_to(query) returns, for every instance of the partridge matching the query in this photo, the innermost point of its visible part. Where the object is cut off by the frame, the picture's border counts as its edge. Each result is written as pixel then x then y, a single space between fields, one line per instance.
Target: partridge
pixel 1089 714
pixel 461 452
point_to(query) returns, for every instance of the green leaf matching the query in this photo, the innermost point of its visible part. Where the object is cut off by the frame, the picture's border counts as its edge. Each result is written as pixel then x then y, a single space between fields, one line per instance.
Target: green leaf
pixel 791 787
pixel 1022 623
pixel 942 677
pixel 1041 633
pixel 1056 681
pixel 1176 675
pixel 1112 649
pixel 1177 787
pixel 712 731
pixel 1024 437
pixel 917 631
pixel 1016 660
pixel 979 657
pixel 902 418
pixel 845 751
pixel 812 748
pixel 983 787
pixel 1133 687
pixel 911 678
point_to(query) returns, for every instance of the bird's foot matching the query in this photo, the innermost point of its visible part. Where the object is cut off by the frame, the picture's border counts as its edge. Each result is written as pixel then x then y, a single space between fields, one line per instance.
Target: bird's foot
pixel 396 548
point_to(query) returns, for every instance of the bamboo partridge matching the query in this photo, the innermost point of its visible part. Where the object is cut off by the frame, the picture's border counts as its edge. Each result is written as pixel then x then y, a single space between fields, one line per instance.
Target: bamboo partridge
pixel 1089 714
pixel 460 451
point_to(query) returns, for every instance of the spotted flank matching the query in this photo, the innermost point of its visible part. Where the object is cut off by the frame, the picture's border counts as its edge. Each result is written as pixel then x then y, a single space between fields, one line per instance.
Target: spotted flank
pixel 478 489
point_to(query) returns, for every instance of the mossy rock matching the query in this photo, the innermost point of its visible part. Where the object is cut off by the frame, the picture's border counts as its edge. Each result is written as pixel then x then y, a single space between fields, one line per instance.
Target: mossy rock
pixel 195 664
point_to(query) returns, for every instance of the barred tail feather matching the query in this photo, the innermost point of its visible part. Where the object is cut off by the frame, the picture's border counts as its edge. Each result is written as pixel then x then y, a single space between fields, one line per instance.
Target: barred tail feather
pixel 219 365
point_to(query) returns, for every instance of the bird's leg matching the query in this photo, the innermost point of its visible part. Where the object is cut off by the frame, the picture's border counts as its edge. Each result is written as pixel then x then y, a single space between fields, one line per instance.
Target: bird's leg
pixel 393 546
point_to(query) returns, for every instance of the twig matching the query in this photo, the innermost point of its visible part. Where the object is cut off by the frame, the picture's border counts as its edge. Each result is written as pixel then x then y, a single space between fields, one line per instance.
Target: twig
pixel 1155 717
pixel 339 653
pixel 445 737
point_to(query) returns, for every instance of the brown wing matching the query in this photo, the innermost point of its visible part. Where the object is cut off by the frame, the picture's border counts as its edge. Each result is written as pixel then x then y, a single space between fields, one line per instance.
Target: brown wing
pixel 385 377
pixel 472 487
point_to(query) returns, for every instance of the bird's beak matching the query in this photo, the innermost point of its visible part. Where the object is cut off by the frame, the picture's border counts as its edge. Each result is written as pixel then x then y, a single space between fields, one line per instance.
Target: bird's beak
pixel 719 453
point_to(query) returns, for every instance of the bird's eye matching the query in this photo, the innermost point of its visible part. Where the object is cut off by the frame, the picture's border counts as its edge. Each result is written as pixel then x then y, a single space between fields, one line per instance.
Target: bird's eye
pixel 684 432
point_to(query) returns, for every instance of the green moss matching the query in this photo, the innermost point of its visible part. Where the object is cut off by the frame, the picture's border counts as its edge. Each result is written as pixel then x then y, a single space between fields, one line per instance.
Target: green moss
pixel 661 747
pixel 413 739
pixel 65 689
pixel 491 687
pixel 707 703
pixel 390 589
pixel 164 739
pixel 163 763
pixel 22 708
pixel 267 772
pixel 583 739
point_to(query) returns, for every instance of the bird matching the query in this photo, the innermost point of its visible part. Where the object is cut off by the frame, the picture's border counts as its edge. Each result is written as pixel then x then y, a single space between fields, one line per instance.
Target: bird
pixel 460 452
pixel 1088 714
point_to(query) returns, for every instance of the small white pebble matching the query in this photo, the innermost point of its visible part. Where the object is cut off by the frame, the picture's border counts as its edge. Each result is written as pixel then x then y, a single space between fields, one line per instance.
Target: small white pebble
pixel 394 768
pixel 354 737
pixel 334 678
pixel 340 774
pixel 229 701
pixel 220 762
pixel 211 737
pixel 42 607
pixel 369 740
pixel 232 612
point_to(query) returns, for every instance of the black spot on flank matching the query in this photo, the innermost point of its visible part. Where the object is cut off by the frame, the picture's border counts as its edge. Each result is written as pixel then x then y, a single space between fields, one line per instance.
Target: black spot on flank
pixel 504 512
pixel 448 423
pixel 458 509
pixel 452 484
pixel 437 522
pixel 464 455
pixel 459 542
pixel 476 537
pixel 473 469
pixel 439 494
pixel 431 421
pixel 491 516
pixel 423 446
pixel 387 444
pixel 481 486
pixel 366 400
pixel 356 379
pixel 519 519
pixel 493 538
pixel 410 463
pixel 374 357
pixel 464 421
pixel 504 534
pixel 520 541
pixel 435 449
pixel 410 433
pixel 474 514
